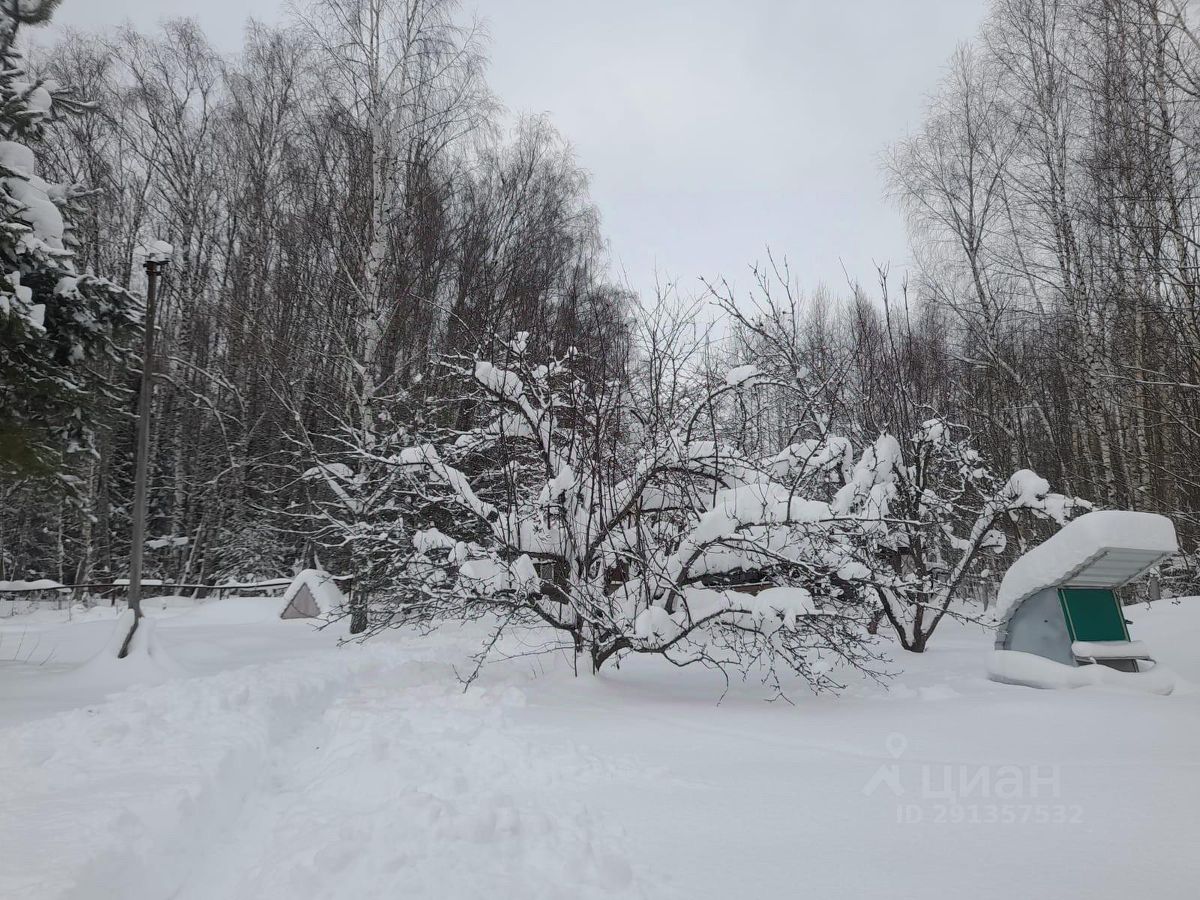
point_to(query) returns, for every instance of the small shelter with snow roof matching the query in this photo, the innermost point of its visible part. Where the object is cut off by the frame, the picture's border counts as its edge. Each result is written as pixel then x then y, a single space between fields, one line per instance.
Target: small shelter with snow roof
pixel 312 594
pixel 1058 601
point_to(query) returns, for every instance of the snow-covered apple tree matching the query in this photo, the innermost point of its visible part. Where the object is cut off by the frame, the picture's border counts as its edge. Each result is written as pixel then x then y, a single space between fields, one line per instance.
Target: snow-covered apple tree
pixel 576 507
pixel 59 328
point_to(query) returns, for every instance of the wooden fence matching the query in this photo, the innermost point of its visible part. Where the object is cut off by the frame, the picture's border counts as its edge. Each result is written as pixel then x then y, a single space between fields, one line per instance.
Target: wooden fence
pixel 116 589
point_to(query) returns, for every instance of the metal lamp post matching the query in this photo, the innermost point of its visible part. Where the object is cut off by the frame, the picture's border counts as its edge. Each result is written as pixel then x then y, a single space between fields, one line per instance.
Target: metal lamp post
pixel 155 263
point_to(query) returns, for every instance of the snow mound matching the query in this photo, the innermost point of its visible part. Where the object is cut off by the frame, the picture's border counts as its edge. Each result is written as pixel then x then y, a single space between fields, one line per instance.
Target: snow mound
pixel 145 663
pixel 1099 549
pixel 1110 650
pixel 1028 670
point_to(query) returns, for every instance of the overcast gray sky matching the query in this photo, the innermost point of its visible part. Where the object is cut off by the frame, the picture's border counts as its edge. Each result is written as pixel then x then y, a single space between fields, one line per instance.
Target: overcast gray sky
pixel 711 128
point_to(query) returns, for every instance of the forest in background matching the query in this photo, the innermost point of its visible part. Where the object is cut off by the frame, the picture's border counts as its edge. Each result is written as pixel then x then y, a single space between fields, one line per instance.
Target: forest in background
pixel 345 204
pixel 347 208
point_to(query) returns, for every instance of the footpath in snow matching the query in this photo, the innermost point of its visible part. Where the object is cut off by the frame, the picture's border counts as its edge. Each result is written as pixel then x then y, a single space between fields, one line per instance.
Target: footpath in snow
pixel 281 766
pixel 365 770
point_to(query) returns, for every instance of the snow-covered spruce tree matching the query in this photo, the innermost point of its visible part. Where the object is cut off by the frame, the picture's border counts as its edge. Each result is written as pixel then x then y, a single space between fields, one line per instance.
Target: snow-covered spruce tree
pixel 59 329
pixel 575 510
pixel 926 508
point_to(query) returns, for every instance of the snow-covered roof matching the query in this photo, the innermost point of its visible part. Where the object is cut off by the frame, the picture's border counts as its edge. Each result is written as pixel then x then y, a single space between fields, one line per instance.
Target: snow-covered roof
pixel 1103 549
pixel 41 584
pixel 325 592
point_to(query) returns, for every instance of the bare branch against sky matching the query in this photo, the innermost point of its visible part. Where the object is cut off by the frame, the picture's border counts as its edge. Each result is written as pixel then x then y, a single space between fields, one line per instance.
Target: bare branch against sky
pixel 711 130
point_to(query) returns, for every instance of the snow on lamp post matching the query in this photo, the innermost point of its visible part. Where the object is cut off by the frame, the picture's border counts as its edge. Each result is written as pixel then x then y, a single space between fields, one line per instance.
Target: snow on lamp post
pixel 158 254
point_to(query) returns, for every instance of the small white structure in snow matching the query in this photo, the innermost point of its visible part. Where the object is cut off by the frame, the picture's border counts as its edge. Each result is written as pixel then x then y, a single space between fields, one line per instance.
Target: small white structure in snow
pixel 1057 602
pixel 312 594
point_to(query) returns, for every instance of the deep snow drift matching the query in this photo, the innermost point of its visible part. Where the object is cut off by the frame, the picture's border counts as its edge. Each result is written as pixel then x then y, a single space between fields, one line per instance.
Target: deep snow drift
pixel 274 765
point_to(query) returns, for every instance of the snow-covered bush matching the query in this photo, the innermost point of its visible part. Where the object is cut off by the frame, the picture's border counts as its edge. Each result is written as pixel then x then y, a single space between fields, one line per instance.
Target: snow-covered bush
pixel 927 509
pixel 920 512
pixel 57 326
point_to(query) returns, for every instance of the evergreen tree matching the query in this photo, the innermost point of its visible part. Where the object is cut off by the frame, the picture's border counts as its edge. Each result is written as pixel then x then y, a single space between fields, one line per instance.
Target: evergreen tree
pixel 62 332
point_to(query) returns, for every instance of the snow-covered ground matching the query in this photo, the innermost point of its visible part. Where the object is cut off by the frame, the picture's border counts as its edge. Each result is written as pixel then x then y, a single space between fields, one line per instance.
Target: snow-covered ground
pixel 277 765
